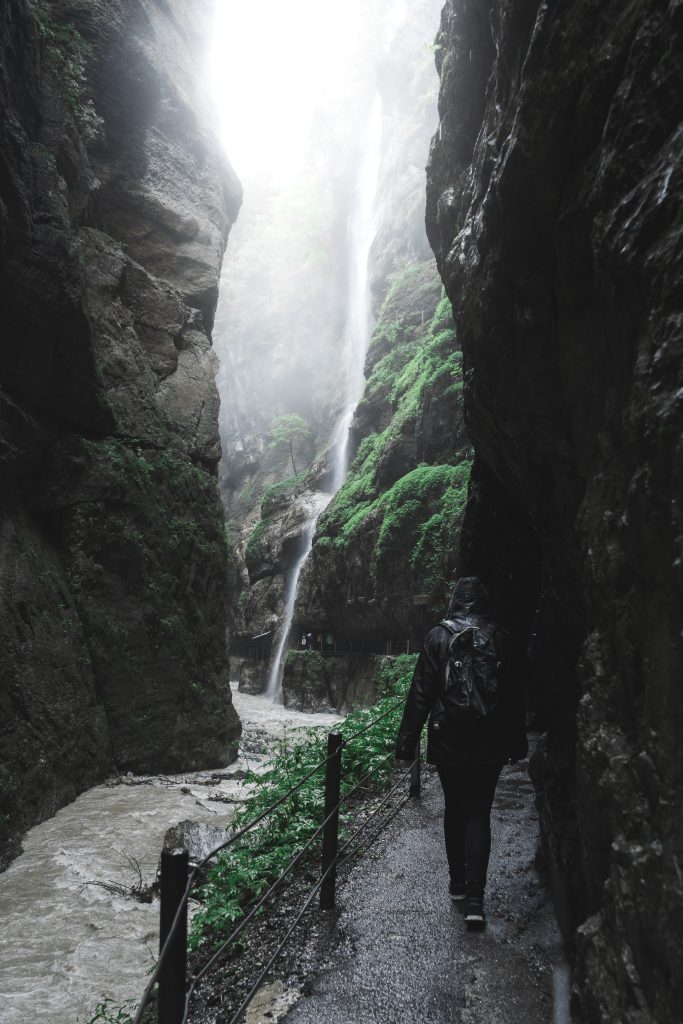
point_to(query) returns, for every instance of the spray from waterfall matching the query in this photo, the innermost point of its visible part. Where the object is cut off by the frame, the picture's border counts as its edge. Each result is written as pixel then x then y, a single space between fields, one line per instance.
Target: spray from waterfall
pixel 362 229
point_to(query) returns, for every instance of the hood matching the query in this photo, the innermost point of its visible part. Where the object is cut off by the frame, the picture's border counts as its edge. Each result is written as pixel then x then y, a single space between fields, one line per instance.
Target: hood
pixel 469 597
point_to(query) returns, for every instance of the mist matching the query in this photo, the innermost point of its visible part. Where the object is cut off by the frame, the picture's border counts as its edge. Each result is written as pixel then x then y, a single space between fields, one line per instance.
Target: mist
pixel 295 111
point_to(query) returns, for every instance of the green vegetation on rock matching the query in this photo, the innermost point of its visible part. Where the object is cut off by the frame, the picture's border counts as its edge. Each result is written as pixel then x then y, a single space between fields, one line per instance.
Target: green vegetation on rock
pixel 253 548
pixel 415 514
pixel 130 526
pixel 67 54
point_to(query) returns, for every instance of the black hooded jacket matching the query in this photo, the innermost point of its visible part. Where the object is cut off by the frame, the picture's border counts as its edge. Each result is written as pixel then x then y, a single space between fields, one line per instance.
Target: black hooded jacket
pixel 463 740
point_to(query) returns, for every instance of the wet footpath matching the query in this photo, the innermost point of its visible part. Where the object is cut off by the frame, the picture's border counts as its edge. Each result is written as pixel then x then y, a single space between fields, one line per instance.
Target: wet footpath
pixel 400 950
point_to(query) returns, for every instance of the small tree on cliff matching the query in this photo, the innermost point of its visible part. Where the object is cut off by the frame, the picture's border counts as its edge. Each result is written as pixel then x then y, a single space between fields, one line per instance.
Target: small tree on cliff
pixel 291 430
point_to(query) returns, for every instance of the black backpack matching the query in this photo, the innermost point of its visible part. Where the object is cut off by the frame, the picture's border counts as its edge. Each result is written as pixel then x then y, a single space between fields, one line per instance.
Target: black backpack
pixel 472 673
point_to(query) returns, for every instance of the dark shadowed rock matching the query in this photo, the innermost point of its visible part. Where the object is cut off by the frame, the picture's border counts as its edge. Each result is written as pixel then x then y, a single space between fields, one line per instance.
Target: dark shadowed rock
pixel 252 677
pixel 313 682
pixel 554 196
pixel 115 206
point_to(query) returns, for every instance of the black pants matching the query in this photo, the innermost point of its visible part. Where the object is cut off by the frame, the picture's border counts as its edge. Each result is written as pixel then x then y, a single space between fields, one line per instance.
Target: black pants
pixel 468 792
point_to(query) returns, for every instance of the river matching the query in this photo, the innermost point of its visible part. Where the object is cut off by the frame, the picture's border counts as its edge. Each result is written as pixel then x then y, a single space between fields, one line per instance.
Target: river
pixel 65 941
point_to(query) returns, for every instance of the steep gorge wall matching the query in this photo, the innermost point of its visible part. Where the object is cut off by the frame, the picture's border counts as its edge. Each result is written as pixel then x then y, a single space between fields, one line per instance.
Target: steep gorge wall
pixel 384 550
pixel 554 195
pixel 115 206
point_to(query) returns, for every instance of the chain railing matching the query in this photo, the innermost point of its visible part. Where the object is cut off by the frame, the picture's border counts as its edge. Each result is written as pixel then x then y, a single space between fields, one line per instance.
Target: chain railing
pixel 170 973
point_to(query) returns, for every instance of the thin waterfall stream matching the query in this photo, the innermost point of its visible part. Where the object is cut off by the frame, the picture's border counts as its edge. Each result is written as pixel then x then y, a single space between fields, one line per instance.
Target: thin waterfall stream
pixel 362 229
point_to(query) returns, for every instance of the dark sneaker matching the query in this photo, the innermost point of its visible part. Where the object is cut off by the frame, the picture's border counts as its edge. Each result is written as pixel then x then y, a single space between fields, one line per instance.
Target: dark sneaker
pixel 474 913
pixel 456 891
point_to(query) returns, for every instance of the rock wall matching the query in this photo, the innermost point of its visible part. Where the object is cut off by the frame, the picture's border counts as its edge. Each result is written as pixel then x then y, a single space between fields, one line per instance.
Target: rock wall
pixel 313 682
pixel 384 549
pixel 115 206
pixel 554 196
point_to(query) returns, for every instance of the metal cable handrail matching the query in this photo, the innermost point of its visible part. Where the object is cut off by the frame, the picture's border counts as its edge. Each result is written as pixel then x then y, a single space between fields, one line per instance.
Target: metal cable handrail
pixel 163 953
pixel 370 817
pixel 377 809
pixel 255 987
pixel 292 864
pixel 245 921
pixel 366 728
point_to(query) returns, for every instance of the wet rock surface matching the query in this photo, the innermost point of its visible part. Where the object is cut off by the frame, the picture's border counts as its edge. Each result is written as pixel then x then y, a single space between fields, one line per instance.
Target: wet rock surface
pixel 252 677
pixel 391 532
pixel 554 192
pixel 313 682
pixel 115 206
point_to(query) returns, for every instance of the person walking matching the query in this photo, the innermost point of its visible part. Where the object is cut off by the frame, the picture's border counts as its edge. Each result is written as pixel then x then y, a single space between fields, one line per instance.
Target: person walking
pixel 465 684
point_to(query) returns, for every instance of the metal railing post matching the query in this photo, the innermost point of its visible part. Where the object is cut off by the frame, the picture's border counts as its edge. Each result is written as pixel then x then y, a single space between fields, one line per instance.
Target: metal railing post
pixel 416 774
pixel 332 787
pixel 172 976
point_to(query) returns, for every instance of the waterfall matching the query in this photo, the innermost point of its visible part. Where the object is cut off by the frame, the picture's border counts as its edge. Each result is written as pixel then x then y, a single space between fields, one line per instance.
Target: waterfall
pixel 362 229
pixel 277 666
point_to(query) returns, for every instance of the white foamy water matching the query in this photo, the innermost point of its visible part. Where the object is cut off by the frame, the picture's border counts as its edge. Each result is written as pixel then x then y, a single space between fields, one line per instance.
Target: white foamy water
pixel 276 670
pixel 64 942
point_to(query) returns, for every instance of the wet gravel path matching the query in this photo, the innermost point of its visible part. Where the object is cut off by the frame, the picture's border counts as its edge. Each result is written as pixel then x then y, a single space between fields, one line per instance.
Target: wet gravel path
pixel 400 951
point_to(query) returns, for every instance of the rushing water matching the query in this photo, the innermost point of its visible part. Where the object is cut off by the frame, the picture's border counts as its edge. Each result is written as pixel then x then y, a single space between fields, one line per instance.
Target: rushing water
pixel 65 941
pixel 362 229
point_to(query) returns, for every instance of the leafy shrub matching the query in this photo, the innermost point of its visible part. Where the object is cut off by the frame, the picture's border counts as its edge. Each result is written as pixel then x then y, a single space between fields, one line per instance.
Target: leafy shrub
pixel 108 1011
pixel 245 870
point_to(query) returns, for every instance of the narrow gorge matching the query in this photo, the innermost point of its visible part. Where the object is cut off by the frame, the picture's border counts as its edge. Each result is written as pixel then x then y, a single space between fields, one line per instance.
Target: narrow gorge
pixel 256 422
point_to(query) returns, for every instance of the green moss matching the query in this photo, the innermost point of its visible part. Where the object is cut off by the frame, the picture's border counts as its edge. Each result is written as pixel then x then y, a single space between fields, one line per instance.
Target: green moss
pixel 277 494
pixel 414 522
pixel 152 520
pixel 253 549
pixel 118 459
pixel 357 496
pixel 443 314
pixel 413 374
pixel 67 54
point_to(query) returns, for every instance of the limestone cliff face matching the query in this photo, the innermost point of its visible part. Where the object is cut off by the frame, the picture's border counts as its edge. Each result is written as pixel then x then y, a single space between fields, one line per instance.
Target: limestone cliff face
pixel 115 206
pixel 554 195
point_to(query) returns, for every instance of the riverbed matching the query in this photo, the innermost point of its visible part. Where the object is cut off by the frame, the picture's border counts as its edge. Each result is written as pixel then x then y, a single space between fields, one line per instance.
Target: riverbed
pixel 66 940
